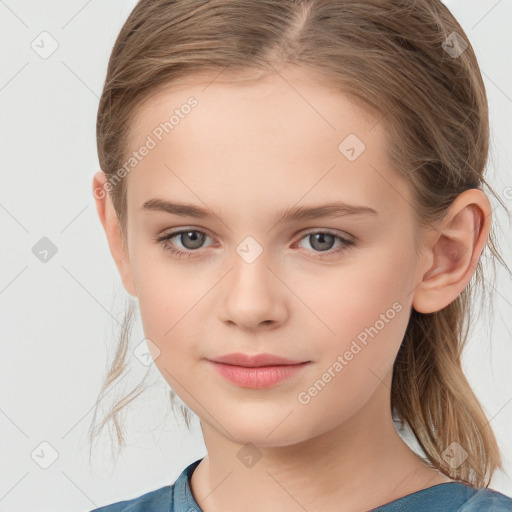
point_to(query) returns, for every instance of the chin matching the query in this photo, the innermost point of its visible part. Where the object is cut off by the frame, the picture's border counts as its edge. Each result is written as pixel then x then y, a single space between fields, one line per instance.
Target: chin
pixel 271 433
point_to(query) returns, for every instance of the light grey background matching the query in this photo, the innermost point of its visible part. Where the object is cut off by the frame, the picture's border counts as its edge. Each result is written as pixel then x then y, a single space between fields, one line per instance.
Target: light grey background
pixel 60 318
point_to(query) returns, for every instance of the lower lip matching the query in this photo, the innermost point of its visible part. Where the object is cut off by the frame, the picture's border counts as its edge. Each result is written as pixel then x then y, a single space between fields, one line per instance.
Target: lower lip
pixel 260 377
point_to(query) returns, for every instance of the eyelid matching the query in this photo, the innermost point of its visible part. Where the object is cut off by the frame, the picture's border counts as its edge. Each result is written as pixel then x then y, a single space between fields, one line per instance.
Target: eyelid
pixel 342 234
pixel 171 232
pixel 347 242
pixel 304 232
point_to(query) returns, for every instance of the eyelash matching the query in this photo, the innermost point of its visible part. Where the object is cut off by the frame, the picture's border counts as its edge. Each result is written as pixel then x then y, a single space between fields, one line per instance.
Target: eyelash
pixel 164 241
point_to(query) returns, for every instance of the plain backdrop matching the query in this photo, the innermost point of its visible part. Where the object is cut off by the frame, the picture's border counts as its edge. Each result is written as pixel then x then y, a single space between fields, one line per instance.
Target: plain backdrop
pixel 60 316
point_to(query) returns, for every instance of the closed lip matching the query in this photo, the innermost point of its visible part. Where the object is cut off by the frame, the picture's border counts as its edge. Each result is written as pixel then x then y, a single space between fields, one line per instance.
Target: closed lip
pixel 254 361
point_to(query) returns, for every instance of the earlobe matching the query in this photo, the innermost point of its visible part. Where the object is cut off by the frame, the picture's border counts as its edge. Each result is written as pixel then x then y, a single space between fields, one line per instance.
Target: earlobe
pixel 455 252
pixel 110 223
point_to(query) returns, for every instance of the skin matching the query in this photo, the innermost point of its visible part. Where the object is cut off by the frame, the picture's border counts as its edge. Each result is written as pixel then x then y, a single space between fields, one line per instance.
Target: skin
pixel 246 151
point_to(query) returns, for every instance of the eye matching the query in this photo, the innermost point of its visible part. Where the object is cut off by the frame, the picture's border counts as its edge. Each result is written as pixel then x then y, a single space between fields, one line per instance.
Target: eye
pixel 193 239
pixel 322 241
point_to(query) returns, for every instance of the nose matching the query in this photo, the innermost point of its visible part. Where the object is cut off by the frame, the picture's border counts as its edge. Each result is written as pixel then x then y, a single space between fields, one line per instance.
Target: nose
pixel 253 295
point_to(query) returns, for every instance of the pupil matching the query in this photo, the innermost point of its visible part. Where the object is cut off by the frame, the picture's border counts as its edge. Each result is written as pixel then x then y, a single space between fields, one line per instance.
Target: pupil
pixel 322 237
pixel 195 237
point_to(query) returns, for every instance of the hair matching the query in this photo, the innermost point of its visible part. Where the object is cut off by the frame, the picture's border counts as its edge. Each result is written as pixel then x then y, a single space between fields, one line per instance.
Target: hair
pixel 389 57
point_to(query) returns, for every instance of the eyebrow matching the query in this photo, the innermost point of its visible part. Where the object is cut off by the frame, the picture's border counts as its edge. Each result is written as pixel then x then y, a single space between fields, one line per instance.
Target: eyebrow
pixel 295 213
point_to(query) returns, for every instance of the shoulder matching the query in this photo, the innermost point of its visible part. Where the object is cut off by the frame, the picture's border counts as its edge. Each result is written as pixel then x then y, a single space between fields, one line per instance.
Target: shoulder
pixel 159 500
pixel 176 497
pixel 450 497
pixel 486 499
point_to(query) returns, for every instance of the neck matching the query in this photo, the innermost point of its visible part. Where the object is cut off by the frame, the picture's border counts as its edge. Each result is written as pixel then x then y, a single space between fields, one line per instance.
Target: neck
pixel 360 464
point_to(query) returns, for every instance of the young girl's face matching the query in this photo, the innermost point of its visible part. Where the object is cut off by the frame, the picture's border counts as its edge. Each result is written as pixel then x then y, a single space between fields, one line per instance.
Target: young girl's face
pixel 252 281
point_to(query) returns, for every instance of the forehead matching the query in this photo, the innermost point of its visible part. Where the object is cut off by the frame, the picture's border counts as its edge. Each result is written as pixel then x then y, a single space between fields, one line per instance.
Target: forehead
pixel 292 96
pixel 285 131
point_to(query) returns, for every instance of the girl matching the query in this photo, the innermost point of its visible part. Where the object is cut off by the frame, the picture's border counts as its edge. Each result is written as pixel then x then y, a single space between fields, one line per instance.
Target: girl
pixel 292 190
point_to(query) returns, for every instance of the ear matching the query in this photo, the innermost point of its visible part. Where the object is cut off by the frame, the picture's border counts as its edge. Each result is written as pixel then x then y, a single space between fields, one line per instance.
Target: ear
pixel 453 251
pixel 111 225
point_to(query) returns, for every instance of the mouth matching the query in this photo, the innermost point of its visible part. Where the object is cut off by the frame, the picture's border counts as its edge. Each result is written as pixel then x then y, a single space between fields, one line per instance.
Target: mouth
pixel 255 360
pixel 257 372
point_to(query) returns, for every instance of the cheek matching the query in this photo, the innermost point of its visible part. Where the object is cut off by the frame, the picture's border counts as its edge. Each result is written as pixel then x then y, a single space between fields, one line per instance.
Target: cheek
pixel 368 318
pixel 167 299
pixel 345 300
pixel 364 313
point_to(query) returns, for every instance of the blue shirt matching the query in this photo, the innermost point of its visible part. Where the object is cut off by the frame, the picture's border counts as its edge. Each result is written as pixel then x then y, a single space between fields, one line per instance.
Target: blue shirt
pixel 447 497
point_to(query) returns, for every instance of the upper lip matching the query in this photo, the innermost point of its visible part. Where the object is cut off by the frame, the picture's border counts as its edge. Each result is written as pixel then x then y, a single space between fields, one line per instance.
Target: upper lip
pixel 252 361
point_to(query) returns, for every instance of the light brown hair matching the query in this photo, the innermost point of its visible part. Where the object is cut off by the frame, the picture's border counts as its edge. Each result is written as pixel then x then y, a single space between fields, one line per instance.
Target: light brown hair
pixel 388 56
